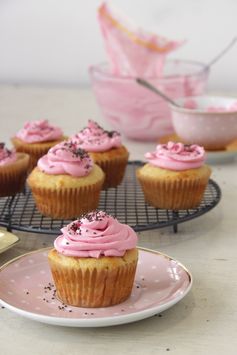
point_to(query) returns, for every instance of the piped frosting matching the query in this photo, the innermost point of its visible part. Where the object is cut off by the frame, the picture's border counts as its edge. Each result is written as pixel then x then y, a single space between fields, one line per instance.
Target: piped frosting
pixel 39 131
pixel 177 156
pixel 94 138
pixel 66 158
pixel 95 234
pixel 6 156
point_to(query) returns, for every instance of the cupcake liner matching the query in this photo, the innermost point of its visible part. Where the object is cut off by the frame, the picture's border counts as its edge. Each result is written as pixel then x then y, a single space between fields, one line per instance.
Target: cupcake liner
pixel 114 171
pixel 35 150
pixel 13 176
pixel 173 194
pixel 113 166
pixel 93 287
pixel 67 203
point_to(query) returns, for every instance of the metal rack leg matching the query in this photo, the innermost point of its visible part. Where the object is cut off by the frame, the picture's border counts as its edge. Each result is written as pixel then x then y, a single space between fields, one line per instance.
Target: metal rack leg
pixel 175 228
pixel 175 217
pixel 9 228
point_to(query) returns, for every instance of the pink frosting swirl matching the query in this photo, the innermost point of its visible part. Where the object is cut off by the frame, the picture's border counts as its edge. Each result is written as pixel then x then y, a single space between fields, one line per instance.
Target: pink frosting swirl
pixel 94 138
pixel 6 156
pixel 177 156
pixel 39 131
pixel 66 158
pixel 95 234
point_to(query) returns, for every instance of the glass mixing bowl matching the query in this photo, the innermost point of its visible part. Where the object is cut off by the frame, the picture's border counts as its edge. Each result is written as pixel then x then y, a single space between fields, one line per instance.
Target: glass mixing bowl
pixel 137 112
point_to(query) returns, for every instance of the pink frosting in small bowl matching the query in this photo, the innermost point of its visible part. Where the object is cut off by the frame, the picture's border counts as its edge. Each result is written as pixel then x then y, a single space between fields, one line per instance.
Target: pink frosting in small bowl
pixel 6 156
pixel 94 138
pixel 177 156
pixel 39 131
pixel 66 158
pixel 95 234
pixel 192 104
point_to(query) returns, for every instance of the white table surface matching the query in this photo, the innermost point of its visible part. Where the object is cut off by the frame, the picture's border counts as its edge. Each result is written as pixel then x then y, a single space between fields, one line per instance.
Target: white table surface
pixel 204 322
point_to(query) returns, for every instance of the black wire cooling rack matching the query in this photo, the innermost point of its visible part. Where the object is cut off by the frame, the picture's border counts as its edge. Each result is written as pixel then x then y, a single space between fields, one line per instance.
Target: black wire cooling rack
pixel 126 202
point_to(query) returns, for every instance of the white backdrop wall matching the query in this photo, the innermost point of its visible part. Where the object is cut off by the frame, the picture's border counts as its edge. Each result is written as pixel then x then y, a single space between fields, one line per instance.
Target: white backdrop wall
pixel 54 41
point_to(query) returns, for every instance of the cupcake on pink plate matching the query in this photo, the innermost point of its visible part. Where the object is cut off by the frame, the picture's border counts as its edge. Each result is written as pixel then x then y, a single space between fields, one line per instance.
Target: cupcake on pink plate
pixel 106 150
pixel 94 261
pixel 36 138
pixel 175 176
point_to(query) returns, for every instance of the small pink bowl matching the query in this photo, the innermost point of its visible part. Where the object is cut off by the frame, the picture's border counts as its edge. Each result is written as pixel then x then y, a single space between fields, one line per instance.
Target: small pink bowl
pixel 212 129
pixel 137 112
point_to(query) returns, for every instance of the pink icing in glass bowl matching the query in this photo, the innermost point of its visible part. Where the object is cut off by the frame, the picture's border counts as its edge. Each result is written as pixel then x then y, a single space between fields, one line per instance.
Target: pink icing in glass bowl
pixel 210 121
pixel 137 112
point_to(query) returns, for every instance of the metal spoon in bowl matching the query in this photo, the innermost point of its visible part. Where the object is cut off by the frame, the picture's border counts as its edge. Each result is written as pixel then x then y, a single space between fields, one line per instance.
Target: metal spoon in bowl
pixel 149 86
pixel 155 90
pixel 224 51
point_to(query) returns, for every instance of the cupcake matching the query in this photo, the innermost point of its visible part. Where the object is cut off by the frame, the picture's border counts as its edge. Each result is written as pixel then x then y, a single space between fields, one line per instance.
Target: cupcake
pixel 93 262
pixel 13 170
pixel 66 182
pixel 175 176
pixel 106 150
pixel 36 138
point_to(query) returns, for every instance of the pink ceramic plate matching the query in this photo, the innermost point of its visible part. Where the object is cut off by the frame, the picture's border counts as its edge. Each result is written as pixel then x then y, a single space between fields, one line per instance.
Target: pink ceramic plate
pixel 27 289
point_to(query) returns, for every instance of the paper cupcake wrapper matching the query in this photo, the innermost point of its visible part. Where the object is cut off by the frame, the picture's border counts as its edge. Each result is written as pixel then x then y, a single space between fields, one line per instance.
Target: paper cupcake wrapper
pixel 67 203
pixel 13 176
pixel 175 194
pixel 35 150
pixel 93 287
pixel 113 168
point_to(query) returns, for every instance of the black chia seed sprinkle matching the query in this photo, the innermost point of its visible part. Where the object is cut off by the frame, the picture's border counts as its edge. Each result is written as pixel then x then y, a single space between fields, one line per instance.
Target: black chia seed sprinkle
pixel 50 287
pixel 95 216
pixel 73 148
